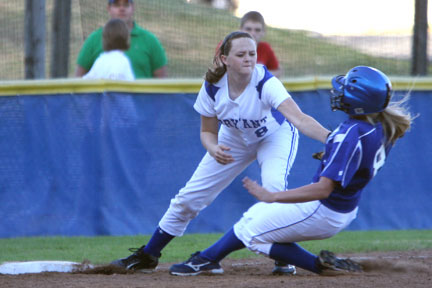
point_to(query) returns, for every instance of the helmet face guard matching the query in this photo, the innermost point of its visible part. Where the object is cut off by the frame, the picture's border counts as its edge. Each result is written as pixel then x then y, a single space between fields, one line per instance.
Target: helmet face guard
pixel 363 90
pixel 337 93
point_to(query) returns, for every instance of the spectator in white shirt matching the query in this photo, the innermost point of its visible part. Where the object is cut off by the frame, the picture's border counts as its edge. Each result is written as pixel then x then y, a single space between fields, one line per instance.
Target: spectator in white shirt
pixel 113 64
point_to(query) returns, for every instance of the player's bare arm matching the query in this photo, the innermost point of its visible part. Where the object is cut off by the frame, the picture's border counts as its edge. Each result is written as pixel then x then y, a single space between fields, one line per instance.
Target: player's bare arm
pixel 209 139
pixel 304 123
pixel 315 191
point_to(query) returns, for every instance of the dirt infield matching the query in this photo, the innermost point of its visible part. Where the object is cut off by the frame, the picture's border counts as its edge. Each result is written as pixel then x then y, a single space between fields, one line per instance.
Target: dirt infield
pixel 383 269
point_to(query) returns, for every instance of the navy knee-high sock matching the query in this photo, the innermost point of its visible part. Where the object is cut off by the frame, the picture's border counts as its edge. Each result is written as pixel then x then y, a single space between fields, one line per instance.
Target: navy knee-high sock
pixel 295 255
pixel 157 242
pixel 224 246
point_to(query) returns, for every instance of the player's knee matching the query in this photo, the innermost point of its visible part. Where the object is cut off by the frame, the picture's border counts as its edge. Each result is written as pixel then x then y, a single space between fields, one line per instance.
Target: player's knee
pixel 274 183
pixel 185 209
pixel 260 248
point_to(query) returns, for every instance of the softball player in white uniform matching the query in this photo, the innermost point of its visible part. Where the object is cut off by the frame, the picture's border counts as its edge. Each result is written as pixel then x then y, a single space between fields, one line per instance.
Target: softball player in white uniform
pixel 354 152
pixel 258 119
pixel 251 131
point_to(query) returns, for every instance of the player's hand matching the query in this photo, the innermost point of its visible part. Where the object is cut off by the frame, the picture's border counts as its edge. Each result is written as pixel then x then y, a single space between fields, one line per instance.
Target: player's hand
pixel 218 153
pixel 258 191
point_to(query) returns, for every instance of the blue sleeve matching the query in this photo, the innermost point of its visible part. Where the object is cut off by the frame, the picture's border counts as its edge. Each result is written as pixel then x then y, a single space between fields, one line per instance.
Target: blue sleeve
pixel 204 104
pixel 344 156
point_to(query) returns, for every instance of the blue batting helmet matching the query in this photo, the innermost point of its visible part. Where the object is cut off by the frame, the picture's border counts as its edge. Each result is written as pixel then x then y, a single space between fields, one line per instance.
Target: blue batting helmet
pixel 363 90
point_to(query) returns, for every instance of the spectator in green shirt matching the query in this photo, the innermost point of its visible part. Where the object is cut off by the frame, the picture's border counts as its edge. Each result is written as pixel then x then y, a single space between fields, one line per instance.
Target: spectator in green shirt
pixel 146 53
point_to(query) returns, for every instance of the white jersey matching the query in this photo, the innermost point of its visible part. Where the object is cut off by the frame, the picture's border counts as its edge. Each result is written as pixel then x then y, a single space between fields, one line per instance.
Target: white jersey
pixel 252 116
pixel 114 65
pixel 253 129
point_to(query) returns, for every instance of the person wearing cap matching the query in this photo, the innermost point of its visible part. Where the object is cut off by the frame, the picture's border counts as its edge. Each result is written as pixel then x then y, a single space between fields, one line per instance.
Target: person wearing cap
pixel 146 53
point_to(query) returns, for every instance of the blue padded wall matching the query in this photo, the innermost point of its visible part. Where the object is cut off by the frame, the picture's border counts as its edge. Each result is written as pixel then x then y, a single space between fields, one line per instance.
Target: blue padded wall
pixel 109 163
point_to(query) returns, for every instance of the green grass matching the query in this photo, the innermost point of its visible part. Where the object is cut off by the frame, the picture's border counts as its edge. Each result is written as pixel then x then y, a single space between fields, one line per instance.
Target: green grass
pixel 100 250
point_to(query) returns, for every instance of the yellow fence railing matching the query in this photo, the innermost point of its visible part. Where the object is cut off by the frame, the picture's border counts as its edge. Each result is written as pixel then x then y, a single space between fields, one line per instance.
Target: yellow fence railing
pixel 75 85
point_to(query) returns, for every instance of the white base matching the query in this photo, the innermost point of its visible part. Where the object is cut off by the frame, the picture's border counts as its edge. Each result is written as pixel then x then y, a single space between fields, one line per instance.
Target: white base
pixel 39 266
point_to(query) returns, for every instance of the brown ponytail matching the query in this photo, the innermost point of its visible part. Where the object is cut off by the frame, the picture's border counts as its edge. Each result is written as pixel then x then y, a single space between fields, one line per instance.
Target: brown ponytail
pixel 215 73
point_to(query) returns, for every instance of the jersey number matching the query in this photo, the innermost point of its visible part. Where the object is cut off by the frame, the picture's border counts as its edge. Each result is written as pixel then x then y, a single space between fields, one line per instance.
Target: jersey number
pixel 379 159
pixel 261 131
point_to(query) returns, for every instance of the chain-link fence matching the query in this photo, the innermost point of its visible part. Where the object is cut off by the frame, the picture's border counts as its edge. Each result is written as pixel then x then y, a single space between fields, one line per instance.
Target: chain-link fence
pixel 190 33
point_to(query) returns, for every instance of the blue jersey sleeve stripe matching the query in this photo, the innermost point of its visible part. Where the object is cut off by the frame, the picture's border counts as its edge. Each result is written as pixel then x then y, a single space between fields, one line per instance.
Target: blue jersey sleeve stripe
pixel 291 155
pixel 337 149
pixel 278 116
pixel 359 149
pixel 275 113
pixel 367 133
pixel 267 76
pixel 211 90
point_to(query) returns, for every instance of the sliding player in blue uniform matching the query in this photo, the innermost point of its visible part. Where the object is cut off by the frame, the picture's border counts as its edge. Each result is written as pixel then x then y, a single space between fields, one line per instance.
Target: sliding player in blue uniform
pixel 354 153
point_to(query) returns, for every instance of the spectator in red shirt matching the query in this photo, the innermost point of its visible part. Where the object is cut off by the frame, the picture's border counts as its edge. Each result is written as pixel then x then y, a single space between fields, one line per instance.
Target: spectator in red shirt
pixel 253 23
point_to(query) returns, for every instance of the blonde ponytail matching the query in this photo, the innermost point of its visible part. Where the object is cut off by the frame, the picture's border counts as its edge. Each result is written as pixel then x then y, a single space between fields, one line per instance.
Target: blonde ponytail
pixel 395 119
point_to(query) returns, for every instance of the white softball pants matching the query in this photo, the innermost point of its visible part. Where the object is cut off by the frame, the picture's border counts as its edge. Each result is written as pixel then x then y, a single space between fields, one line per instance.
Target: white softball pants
pixel 275 155
pixel 267 223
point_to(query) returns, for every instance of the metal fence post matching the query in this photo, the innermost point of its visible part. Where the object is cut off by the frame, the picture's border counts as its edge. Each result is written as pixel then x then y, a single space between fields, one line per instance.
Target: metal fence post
pixel 34 34
pixel 419 64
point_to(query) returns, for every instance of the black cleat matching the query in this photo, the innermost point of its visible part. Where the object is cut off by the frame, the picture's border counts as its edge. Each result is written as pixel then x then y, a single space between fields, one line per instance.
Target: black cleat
pixel 139 261
pixel 196 265
pixel 283 269
pixel 329 264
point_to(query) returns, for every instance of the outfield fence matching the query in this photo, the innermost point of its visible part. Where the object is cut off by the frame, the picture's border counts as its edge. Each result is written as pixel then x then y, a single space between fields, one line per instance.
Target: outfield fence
pixel 105 158
pixel 190 33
